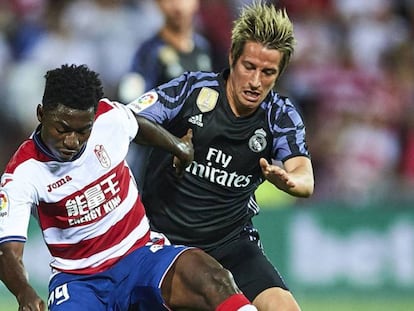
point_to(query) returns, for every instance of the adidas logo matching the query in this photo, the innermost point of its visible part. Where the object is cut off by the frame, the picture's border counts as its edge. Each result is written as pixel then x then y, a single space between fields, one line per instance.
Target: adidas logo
pixel 197 120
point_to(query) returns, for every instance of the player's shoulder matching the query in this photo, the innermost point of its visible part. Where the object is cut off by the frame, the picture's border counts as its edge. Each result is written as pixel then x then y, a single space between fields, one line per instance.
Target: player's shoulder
pixel 202 75
pixel 109 108
pixel 113 117
pixel 279 102
pixel 192 80
pixel 27 152
pixel 186 87
pixel 279 107
pixel 104 106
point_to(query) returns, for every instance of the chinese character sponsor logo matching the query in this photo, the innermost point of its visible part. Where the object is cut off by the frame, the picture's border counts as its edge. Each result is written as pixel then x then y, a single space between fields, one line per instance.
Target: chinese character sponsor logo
pixel 207 99
pixel 94 202
pixel 257 142
pixel 102 156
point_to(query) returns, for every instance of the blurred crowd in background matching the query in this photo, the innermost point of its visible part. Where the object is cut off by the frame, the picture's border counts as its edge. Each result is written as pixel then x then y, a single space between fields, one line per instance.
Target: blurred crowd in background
pixel 352 76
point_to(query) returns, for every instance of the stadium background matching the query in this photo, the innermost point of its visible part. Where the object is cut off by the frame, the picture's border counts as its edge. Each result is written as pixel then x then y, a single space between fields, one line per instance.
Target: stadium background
pixel 349 247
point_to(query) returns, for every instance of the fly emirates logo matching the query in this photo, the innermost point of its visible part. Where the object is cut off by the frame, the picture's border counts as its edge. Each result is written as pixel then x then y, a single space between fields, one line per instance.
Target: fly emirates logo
pixel 215 170
pixel 94 202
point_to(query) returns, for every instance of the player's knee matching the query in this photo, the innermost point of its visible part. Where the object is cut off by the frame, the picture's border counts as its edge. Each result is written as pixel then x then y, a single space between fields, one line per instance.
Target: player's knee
pixel 276 298
pixel 223 282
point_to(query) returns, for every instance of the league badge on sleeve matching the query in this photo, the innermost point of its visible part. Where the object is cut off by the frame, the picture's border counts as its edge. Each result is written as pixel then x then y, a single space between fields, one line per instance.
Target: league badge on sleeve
pixel 144 101
pixel 4 204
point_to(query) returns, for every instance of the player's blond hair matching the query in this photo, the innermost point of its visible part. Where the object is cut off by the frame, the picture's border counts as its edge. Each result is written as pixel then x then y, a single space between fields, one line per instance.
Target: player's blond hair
pixel 263 23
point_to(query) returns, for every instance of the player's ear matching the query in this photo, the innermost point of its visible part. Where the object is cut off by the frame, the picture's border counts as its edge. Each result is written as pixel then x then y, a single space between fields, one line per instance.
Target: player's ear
pixel 39 113
pixel 231 59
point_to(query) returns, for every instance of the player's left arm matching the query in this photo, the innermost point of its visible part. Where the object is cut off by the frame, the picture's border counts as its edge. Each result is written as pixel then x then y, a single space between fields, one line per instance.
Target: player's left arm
pixel 153 134
pixel 295 177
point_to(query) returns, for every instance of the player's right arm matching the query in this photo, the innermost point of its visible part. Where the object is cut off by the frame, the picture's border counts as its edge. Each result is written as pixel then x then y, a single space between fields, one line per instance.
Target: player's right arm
pixel 153 134
pixel 13 275
pixel 17 196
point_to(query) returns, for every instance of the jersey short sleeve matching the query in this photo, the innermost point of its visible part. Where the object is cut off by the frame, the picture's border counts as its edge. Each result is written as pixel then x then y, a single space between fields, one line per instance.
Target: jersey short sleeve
pixel 163 103
pixel 124 117
pixel 16 201
pixel 289 132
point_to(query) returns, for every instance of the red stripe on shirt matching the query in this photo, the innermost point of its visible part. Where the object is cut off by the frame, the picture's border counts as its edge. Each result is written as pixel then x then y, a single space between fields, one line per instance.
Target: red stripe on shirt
pixel 114 236
pixel 57 214
pixel 108 263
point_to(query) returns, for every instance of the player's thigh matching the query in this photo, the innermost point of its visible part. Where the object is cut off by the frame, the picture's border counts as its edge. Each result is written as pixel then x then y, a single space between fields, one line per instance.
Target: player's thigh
pixel 251 269
pixel 157 279
pixel 197 280
pixel 74 295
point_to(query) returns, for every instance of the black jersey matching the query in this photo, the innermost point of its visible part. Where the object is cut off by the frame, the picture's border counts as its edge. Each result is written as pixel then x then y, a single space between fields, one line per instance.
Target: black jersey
pixel 214 200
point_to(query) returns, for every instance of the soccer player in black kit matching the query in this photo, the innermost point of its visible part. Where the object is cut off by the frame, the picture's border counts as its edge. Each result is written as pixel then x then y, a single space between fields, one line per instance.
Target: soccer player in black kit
pixel 240 129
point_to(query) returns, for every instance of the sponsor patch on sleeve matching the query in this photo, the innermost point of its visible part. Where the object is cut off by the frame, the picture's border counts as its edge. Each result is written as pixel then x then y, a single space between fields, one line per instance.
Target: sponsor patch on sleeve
pixel 4 204
pixel 144 101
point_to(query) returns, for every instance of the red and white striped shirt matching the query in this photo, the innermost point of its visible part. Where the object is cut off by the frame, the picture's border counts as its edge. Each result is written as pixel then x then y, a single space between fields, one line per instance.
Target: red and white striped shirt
pixel 88 209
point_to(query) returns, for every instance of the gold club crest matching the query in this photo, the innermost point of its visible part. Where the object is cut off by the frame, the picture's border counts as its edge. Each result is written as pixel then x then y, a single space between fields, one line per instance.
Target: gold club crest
pixel 207 99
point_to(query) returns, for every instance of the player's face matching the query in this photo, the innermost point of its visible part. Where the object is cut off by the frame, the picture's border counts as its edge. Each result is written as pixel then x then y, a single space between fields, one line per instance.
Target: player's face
pixel 179 13
pixel 65 130
pixel 252 77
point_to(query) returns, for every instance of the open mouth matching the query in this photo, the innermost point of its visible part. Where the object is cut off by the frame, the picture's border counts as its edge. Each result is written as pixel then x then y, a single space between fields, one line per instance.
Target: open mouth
pixel 252 96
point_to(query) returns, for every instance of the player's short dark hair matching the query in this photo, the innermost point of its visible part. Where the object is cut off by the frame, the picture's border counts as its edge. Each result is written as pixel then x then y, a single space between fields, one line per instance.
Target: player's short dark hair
pixel 74 86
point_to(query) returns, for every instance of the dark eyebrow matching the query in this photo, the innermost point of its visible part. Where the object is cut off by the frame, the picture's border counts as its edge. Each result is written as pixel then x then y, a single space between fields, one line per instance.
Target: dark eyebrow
pixel 68 128
pixel 267 70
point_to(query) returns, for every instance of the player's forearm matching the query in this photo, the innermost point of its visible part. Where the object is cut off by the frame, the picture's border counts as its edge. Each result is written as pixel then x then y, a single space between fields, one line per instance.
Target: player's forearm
pixel 12 271
pixel 303 185
pixel 295 177
pixel 150 133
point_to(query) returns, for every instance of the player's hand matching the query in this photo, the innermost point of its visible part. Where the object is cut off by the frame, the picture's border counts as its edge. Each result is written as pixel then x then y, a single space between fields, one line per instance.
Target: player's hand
pixel 187 153
pixel 276 175
pixel 30 301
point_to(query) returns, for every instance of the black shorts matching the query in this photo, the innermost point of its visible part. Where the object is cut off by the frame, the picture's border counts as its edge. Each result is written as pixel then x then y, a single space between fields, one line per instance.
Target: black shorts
pixel 251 269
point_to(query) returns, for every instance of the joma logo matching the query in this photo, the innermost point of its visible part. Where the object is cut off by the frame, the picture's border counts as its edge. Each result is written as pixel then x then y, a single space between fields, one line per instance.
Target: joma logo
pixel 58 183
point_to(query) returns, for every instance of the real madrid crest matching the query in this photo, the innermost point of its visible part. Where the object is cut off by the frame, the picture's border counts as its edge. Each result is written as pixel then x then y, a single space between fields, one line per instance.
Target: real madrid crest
pixel 102 156
pixel 207 99
pixel 257 142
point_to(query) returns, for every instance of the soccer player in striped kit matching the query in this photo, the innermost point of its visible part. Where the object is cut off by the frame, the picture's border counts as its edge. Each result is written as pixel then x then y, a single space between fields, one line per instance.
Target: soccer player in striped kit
pixel 71 174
